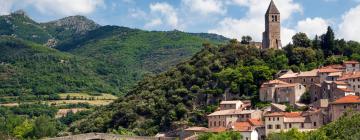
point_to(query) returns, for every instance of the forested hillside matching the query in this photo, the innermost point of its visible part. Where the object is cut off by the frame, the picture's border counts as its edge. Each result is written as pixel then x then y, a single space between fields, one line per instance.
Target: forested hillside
pixel 91 58
pixel 184 95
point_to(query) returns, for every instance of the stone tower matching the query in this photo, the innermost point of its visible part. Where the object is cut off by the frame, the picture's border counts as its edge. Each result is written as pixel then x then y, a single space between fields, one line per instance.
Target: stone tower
pixel 271 36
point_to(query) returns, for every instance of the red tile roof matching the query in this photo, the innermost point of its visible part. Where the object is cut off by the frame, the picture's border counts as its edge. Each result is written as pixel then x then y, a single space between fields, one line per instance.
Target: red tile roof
pixel 340 83
pixel 329 70
pixel 351 62
pixel 347 100
pixel 285 114
pixel 216 129
pixel 242 126
pixel 255 122
pixel 350 75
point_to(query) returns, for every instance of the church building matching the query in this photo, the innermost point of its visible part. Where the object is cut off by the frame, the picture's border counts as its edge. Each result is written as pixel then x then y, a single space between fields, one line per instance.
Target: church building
pixel 271 36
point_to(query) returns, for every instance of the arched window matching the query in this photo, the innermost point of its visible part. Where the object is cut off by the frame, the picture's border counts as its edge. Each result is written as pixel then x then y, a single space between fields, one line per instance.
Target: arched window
pixel 276 18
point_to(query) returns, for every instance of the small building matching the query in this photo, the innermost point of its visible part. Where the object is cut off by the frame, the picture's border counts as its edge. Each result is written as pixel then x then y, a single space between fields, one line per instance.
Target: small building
pixel 282 121
pixel 341 105
pixel 224 118
pixel 353 79
pixel 225 105
pixel 277 91
pixel 352 66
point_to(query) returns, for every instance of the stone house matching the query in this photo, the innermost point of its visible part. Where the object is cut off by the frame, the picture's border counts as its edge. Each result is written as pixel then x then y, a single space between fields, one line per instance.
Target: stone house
pixel 353 79
pixel 341 105
pixel 305 78
pixel 351 66
pixel 277 91
pixel 282 121
pixel 330 90
pixel 225 118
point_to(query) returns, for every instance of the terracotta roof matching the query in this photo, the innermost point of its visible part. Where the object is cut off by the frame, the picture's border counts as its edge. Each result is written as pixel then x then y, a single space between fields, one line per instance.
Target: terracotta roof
pixel 287 85
pixel 231 102
pixel 216 129
pixel 242 126
pixel 231 112
pixel 285 114
pixel 346 89
pixel 272 8
pixel 347 100
pixel 256 122
pixel 289 75
pixel 351 62
pixel 336 66
pixel 340 83
pixel 328 70
pixel 279 106
pixel 335 74
pixel 275 82
pixel 349 75
pixel 311 73
pixel 196 129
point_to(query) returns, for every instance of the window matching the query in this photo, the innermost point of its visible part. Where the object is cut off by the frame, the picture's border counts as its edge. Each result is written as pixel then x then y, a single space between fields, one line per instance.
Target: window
pixel 358 86
pixel 274 119
pixel 290 81
pixel 219 123
pixel 312 80
pixel 269 126
pixel 269 119
pixel 276 19
pixel 224 124
pixel 272 18
pixel 304 80
pixel 302 125
pixel 278 126
pixel 344 106
pixel 278 118
pixel 247 138
pixel 290 126
pixel 314 123
pixel 210 123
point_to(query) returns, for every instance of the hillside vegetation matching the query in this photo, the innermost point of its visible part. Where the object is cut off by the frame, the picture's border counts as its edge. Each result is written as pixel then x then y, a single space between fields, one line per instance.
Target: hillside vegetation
pixel 86 57
pixel 184 95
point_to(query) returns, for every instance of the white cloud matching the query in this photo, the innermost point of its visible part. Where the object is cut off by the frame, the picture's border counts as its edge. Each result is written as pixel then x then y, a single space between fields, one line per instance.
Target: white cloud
pixel 253 22
pixel 205 7
pixel 166 12
pixel 65 7
pixel 153 23
pixel 5 6
pixel 349 28
pixel 312 26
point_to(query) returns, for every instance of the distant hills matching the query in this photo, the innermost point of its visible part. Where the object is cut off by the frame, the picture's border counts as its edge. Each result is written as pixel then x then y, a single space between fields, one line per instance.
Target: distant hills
pixel 76 54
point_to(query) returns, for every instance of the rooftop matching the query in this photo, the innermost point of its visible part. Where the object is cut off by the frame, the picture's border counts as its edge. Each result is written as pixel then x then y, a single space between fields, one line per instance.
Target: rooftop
pixel 349 75
pixel 329 70
pixel 242 126
pixel 231 112
pixel 231 102
pixel 285 114
pixel 347 100
pixel 351 62
pixel 216 129
pixel 272 8
pixel 311 73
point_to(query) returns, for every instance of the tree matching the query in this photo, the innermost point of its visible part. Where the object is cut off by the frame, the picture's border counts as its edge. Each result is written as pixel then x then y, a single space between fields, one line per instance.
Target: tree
pixel 24 129
pixel 246 39
pixel 301 40
pixel 316 43
pixel 305 98
pixel 328 42
pixel 44 126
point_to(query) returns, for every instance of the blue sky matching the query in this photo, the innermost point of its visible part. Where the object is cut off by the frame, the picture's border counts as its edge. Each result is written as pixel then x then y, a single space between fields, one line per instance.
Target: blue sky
pixel 231 18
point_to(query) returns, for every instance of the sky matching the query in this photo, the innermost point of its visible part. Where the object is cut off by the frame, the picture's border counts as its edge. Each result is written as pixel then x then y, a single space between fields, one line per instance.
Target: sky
pixel 230 18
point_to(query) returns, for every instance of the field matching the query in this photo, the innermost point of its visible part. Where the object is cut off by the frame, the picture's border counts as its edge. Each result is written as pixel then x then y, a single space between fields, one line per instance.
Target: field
pixel 103 96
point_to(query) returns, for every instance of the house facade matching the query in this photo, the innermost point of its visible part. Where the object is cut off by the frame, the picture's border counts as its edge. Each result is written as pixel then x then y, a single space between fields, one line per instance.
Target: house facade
pixel 342 105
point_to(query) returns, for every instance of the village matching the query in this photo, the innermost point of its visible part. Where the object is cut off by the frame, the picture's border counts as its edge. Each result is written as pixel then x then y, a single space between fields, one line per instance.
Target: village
pixel 334 90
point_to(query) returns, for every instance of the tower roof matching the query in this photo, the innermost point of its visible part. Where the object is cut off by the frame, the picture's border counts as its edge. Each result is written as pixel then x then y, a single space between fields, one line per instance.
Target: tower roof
pixel 272 8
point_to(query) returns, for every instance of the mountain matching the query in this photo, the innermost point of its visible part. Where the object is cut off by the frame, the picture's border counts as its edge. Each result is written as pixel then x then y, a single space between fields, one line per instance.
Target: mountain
pixel 116 56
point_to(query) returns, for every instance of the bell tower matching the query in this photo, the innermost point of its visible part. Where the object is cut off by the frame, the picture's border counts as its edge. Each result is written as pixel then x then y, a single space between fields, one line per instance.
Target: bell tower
pixel 271 36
